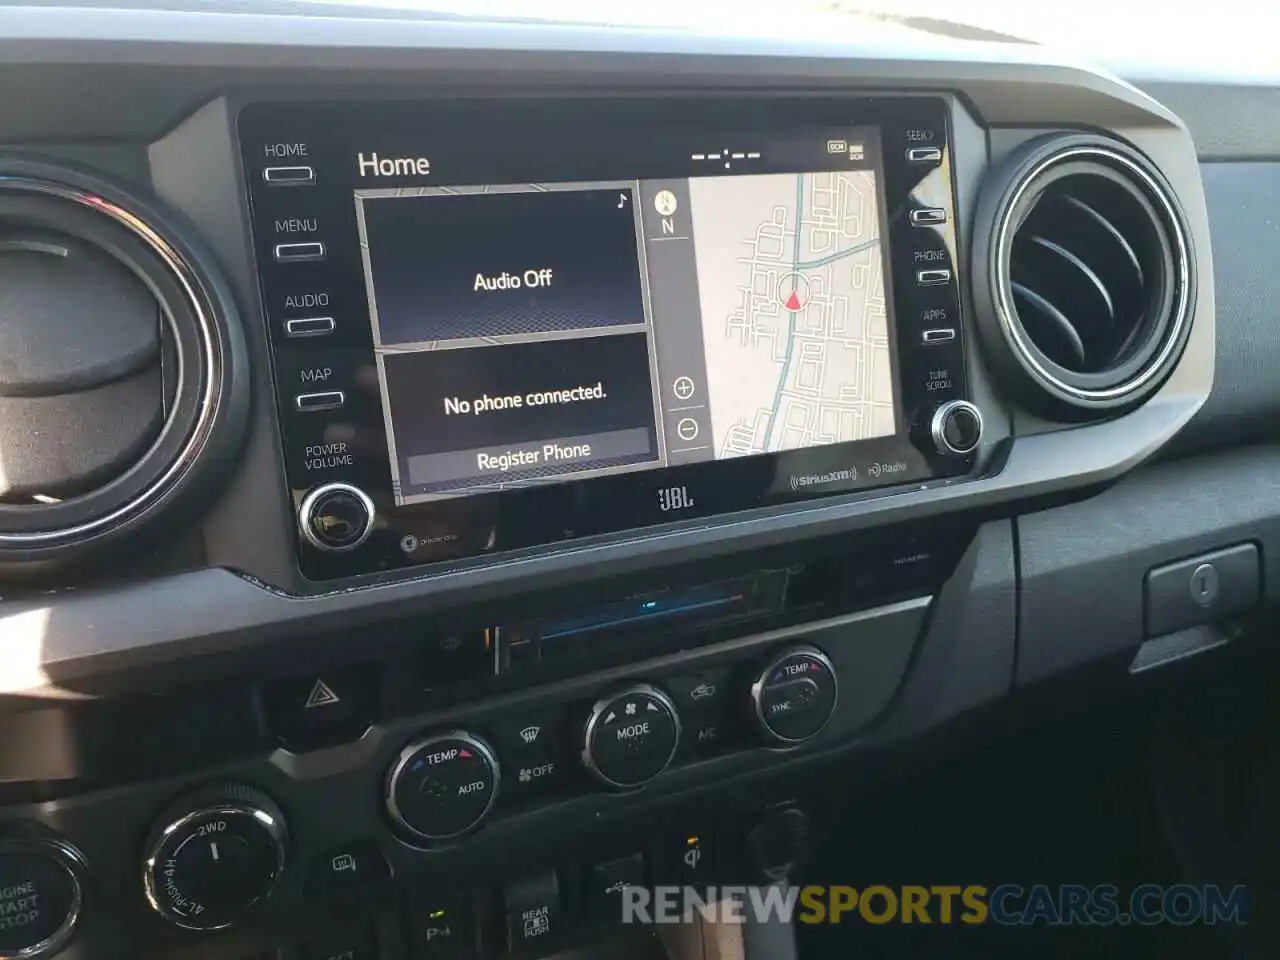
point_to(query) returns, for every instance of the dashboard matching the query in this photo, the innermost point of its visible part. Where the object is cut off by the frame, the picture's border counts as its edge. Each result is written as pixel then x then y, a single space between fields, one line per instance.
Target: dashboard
pixel 451 472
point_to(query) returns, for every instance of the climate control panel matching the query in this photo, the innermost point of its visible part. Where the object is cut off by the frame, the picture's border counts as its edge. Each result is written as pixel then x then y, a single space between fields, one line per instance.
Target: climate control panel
pixel 490 789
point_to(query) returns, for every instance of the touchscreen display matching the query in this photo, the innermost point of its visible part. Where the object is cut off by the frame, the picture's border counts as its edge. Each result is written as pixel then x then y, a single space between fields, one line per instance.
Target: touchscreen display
pixel 538 332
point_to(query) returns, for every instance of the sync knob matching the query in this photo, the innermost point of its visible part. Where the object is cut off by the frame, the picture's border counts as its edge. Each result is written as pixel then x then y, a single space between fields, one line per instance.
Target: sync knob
pixel 336 517
pixel 794 695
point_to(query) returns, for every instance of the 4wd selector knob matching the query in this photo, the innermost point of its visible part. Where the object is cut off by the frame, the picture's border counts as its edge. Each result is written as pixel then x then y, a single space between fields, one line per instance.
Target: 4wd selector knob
pixel 442 786
pixel 795 695
pixel 630 737
pixel 336 517
pixel 216 854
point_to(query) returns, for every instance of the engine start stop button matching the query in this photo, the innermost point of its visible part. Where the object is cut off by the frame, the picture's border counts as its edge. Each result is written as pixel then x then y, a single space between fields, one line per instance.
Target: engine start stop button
pixel 39 900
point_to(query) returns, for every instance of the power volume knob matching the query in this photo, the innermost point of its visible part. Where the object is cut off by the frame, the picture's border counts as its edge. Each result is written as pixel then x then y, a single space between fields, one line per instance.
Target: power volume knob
pixel 215 855
pixel 336 517
pixel 956 428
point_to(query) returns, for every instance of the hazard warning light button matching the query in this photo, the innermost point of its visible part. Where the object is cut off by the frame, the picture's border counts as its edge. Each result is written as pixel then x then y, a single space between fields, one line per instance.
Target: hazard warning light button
pixel 321 709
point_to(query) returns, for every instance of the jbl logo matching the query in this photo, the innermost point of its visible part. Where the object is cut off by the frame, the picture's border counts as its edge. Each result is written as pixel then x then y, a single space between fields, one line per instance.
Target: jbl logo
pixel 674 498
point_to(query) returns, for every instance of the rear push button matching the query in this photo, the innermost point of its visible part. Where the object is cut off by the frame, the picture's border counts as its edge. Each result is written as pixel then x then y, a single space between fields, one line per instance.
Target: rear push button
pixel 631 737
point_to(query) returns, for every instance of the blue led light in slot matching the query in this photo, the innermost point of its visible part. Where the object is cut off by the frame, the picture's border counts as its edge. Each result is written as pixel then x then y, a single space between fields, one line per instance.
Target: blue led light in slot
pixel 649 610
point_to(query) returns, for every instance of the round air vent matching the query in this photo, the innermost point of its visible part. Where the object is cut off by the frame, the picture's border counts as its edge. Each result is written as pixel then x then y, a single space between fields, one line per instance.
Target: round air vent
pixel 1086 268
pixel 119 354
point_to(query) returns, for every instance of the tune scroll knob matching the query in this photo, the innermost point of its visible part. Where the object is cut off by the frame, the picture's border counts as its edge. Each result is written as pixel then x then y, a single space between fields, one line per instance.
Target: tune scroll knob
pixel 336 517
pixel 794 695
pixel 630 737
pixel 214 855
pixel 956 428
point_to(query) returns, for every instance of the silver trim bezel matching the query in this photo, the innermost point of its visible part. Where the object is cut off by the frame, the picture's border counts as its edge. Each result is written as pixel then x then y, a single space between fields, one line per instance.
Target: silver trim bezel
pixel 1002 292
pixel 187 280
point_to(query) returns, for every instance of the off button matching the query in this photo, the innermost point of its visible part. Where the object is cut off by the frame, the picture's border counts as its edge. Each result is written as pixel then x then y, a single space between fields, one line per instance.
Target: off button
pixel 40 897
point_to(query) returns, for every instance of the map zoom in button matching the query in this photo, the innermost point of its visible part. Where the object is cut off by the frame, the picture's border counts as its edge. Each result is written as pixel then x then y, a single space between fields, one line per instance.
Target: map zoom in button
pixel 683 388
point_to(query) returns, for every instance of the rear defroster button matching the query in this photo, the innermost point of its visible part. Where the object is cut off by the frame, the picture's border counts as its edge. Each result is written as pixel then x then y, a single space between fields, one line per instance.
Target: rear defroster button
pixel 631 737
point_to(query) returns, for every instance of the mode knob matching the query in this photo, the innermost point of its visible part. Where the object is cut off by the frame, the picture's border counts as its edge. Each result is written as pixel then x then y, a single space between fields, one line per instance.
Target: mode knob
pixel 794 696
pixel 442 786
pixel 215 855
pixel 631 737
pixel 336 517
pixel 956 428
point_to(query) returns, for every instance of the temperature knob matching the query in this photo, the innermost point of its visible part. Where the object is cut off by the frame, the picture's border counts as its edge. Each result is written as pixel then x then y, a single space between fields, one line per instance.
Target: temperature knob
pixel 795 695
pixel 214 857
pixel 442 786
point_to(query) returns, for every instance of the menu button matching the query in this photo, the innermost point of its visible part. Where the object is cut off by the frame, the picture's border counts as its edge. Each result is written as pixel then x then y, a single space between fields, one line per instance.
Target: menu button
pixel 295 252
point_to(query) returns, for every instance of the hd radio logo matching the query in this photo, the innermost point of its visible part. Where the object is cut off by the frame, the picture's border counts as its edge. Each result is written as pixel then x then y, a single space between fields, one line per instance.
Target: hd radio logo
pixel 1010 905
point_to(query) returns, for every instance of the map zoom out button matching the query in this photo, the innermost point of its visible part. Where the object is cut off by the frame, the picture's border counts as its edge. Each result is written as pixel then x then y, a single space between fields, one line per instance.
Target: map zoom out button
pixel 687 429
